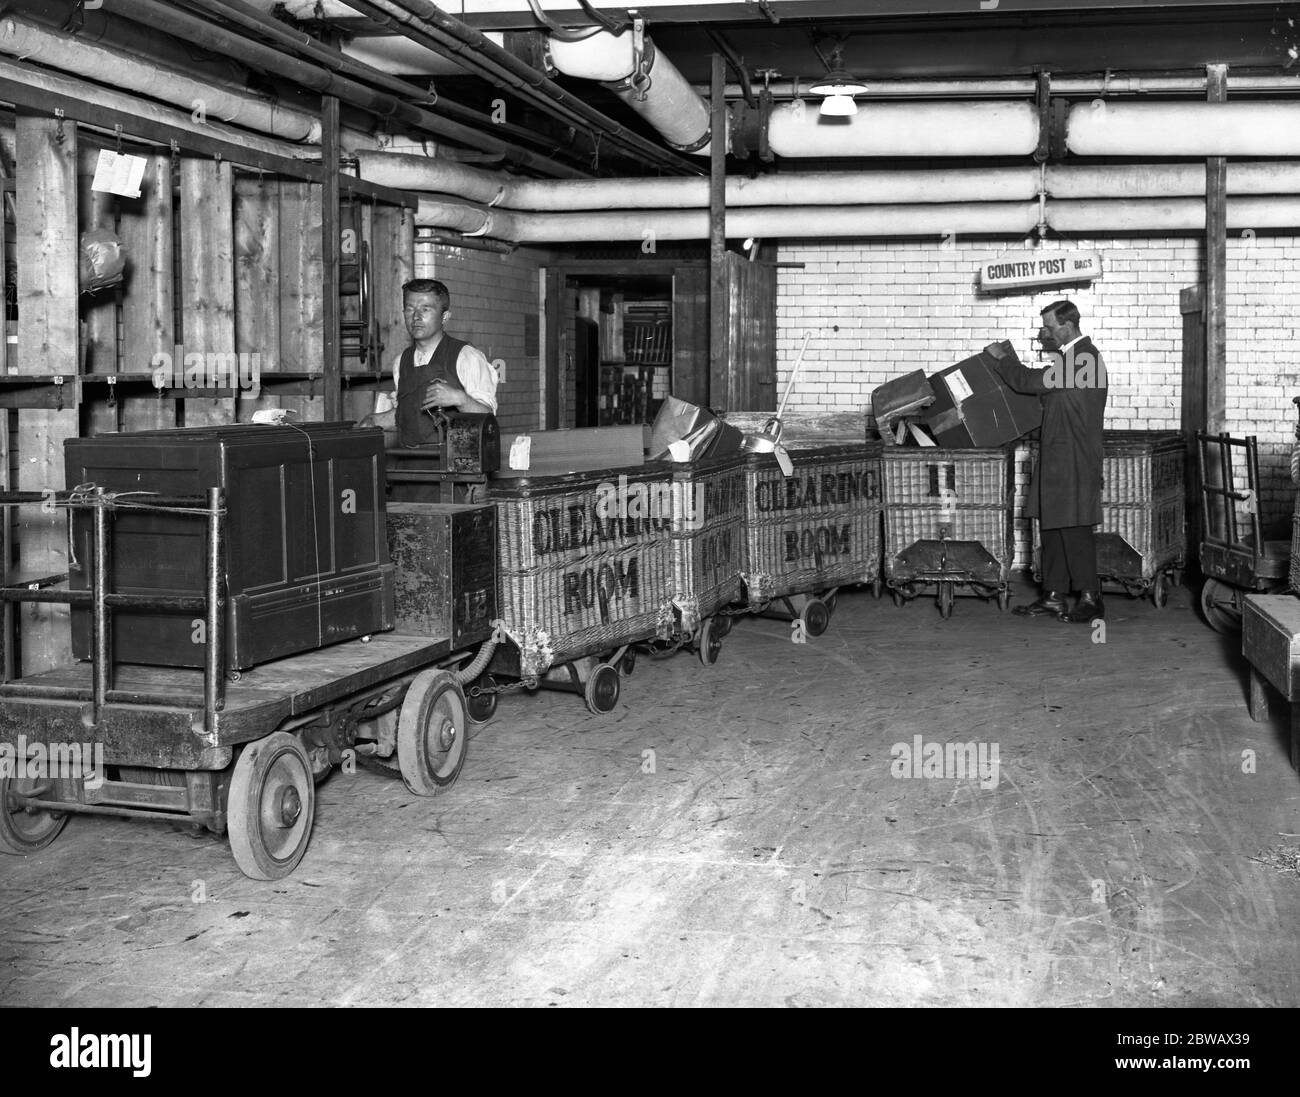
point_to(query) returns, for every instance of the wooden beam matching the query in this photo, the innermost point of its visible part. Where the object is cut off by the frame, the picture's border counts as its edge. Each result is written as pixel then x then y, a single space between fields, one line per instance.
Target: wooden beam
pixel 717 234
pixel 207 277
pixel 392 257
pixel 257 281
pixel 98 311
pixel 148 313
pixel 1216 268
pixel 46 231
pixel 302 332
pixel 329 225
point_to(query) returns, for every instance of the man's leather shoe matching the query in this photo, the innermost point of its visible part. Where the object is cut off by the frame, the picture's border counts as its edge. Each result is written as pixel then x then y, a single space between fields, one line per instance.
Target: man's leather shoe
pixel 1087 609
pixel 1051 604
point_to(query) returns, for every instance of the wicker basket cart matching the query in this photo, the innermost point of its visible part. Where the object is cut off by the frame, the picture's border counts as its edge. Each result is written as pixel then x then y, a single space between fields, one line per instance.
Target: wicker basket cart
pixel 1142 544
pixel 811 533
pixel 948 523
pixel 587 570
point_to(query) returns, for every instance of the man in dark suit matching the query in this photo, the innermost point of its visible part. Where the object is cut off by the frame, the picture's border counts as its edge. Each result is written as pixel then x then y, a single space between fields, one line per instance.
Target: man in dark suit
pixel 1065 494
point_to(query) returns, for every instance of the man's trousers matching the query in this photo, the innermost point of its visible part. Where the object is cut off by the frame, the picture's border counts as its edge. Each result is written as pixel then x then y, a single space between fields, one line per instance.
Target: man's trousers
pixel 1070 559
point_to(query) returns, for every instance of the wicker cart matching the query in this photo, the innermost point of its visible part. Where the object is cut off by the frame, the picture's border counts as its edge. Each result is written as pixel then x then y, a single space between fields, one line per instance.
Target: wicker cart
pixel 948 523
pixel 708 552
pixel 1141 545
pixel 587 568
pixel 811 533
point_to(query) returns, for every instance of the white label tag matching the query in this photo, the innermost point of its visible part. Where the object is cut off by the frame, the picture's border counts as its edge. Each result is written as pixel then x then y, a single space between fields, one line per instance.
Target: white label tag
pixel 958 386
pixel 118 173
pixel 521 452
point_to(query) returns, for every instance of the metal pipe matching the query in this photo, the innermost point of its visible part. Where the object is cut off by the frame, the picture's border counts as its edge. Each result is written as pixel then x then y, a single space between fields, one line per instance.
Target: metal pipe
pixel 101 631
pixel 214 670
pixel 429 25
pixel 139 108
pixel 248 17
pixel 1019 87
pixel 907 129
pixel 276 62
pixel 33 43
pixel 1106 128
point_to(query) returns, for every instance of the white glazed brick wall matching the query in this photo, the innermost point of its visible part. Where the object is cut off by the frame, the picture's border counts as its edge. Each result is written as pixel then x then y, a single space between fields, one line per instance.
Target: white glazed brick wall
pixel 491 293
pixel 878 309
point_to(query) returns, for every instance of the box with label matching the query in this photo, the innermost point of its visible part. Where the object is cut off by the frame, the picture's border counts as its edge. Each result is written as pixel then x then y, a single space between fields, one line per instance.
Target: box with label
pixel 973 407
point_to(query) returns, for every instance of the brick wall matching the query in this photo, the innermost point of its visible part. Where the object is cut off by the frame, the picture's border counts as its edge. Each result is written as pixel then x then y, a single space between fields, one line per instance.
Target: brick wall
pixel 881 308
pixel 491 294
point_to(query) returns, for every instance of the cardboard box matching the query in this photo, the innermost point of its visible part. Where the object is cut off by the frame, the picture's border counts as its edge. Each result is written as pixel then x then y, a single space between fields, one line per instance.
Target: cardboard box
pixel 973 407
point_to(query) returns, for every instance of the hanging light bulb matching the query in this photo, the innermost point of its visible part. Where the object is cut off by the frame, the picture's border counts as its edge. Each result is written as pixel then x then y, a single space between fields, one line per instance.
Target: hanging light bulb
pixel 839 88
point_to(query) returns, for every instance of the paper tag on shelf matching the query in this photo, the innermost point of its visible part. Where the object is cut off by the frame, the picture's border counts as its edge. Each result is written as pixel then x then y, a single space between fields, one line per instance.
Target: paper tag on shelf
pixel 118 173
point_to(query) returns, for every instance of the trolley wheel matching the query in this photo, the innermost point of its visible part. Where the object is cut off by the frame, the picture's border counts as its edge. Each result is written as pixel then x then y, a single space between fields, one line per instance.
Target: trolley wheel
pixel 831 601
pixel 897 595
pixel 1004 599
pixel 1219 606
pixel 601 691
pixel 1176 577
pixel 431 738
pixel 481 707
pixel 722 624
pixel 877 588
pixel 1159 592
pixel 23 830
pixel 945 600
pixel 270 807
pixel 710 642
pixel 627 664
pixel 816 616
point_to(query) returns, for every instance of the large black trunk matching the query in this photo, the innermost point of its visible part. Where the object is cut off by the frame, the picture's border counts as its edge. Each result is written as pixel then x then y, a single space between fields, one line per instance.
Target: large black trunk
pixel 306 556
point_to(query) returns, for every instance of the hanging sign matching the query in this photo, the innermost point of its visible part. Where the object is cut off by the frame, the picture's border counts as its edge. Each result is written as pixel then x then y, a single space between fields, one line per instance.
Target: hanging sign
pixel 1033 269
pixel 118 173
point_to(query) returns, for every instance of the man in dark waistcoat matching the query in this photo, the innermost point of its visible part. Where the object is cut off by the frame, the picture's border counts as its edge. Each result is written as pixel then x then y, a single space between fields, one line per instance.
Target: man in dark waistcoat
pixel 436 371
pixel 1065 494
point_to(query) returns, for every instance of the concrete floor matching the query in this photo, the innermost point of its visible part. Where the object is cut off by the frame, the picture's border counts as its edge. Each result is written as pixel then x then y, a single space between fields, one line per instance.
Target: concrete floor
pixel 766 857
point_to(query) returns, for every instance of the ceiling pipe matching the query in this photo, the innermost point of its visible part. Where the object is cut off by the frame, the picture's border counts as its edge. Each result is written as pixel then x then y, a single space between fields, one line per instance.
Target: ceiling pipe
pixel 1020 87
pixel 659 93
pixel 906 129
pixel 144 109
pixel 944 220
pixel 235 106
pixel 247 16
pixel 1106 128
pixel 410 172
pixel 430 26
pixel 277 63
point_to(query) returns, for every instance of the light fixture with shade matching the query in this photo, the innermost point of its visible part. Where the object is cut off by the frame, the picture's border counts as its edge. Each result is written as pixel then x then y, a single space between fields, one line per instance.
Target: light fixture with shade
pixel 838 89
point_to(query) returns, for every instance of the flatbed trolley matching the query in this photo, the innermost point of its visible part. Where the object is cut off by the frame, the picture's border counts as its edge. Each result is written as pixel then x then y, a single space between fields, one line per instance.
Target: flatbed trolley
pixel 1234 557
pixel 239 756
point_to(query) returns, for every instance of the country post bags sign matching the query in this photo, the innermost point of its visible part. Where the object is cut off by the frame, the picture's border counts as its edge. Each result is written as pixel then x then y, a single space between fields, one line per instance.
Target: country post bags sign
pixel 1036 269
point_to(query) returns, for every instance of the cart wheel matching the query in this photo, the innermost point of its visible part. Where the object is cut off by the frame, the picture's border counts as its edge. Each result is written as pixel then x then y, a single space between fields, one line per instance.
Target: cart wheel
pixel 23 830
pixel 722 624
pixel 710 642
pixel 815 617
pixel 270 807
pixel 431 738
pixel 481 707
pixel 601 693
pixel 897 595
pixel 1219 605
pixel 627 664
pixel 1004 599
pixel 877 588
pixel 1176 577
pixel 1159 593
pixel 831 601
pixel 945 600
